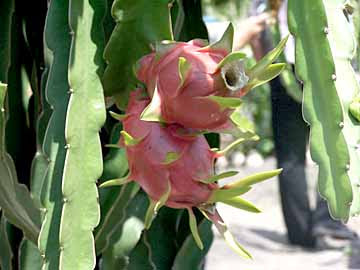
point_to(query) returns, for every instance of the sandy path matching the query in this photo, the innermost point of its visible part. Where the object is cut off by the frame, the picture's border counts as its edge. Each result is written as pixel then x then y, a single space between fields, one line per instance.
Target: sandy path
pixel 264 235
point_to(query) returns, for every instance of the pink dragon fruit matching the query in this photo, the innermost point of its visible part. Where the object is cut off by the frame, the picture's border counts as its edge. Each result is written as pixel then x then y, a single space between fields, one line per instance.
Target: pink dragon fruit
pixel 188 76
pixel 199 86
pixel 160 157
pixel 177 170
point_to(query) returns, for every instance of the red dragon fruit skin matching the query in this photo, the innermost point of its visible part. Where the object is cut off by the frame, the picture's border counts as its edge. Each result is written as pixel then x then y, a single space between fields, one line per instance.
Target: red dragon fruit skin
pixel 185 101
pixel 148 165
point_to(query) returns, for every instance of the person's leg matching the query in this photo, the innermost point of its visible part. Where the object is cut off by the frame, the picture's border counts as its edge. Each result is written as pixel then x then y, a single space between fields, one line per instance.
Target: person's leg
pixel 324 225
pixel 290 137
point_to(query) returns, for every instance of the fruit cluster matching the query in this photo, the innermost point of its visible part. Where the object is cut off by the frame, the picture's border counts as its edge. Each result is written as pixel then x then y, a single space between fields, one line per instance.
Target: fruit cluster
pixel 190 89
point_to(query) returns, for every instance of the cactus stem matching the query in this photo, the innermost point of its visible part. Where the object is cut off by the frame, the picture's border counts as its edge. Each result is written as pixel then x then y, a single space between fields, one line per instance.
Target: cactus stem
pixel 326 30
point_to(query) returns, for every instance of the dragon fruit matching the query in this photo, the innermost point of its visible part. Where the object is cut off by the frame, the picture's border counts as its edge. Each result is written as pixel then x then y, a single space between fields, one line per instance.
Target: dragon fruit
pixel 161 157
pixel 199 86
pixel 177 170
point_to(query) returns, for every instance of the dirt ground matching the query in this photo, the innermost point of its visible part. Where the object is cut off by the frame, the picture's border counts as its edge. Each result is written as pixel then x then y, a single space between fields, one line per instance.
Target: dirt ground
pixel 264 234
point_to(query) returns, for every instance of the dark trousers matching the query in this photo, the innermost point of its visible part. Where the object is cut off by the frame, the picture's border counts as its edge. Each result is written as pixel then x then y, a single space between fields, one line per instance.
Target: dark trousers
pixel 290 136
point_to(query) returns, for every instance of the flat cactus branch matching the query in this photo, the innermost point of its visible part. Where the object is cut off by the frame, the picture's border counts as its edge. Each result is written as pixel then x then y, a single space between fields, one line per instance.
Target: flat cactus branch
pixel 57 47
pixel 85 115
pixel 324 48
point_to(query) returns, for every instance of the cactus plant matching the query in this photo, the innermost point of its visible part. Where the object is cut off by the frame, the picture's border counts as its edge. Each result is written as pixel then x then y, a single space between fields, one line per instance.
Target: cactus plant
pixel 91 62
pixel 327 75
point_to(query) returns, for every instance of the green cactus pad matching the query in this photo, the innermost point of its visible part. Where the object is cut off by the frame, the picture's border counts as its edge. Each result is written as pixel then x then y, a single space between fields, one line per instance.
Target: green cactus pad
pixel 57 48
pixel 85 116
pixel 323 52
